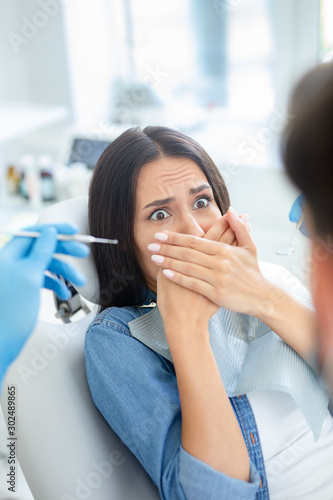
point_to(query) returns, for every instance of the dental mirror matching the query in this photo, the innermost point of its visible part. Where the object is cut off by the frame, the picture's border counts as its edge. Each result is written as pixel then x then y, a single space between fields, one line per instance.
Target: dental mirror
pixel 289 249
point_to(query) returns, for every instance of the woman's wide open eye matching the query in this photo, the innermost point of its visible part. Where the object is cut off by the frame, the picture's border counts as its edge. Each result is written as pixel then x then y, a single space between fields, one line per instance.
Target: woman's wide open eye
pixel 157 215
pixel 204 201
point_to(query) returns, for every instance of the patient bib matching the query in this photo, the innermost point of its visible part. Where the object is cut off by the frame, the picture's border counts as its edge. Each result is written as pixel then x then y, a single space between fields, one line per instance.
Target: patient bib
pixel 249 355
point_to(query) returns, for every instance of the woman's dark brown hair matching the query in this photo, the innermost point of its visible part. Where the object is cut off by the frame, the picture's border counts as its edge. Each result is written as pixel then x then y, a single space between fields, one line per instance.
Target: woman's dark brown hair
pixel 112 200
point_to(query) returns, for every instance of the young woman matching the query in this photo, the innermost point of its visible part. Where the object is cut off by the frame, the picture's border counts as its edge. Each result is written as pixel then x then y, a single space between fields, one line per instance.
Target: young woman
pixel 180 246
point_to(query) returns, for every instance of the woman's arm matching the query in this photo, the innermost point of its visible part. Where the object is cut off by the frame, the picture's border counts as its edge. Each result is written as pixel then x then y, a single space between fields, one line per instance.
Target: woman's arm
pixel 210 430
pixel 136 391
pixel 293 321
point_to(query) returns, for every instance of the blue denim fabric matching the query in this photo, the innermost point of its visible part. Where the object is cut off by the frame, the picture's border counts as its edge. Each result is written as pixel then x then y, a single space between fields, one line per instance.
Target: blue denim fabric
pixel 245 416
pixel 136 391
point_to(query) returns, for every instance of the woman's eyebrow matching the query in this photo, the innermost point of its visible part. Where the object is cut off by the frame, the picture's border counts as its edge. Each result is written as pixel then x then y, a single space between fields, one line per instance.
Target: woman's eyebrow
pixel 165 201
pixel 157 203
pixel 200 188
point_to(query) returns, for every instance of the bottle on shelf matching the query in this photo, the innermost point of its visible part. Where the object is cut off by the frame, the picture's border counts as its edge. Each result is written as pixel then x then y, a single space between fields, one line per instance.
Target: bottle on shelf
pixel 13 177
pixel 45 165
pixel 30 184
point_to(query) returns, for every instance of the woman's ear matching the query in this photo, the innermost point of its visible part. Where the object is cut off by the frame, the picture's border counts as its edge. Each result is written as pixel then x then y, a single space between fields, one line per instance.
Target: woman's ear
pixel 321 281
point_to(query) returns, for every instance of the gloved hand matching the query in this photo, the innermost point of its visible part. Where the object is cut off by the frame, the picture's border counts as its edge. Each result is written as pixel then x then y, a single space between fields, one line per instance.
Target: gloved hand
pixel 296 212
pixel 23 262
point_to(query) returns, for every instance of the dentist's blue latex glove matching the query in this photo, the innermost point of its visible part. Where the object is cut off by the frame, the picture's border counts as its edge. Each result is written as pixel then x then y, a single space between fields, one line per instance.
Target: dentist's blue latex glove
pixel 296 212
pixel 23 262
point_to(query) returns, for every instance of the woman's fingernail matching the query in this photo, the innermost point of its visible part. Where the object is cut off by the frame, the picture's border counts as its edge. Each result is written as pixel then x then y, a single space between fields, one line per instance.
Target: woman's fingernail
pixel 244 218
pixel 168 273
pixel 154 247
pixel 233 211
pixel 161 236
pixel 157 258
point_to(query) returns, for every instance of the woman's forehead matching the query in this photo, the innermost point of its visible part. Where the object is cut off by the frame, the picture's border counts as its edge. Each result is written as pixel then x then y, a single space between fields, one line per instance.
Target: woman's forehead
pixel 169 172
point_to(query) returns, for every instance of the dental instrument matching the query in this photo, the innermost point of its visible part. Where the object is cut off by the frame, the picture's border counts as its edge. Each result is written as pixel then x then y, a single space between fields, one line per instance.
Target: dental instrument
pixel 289 249
pixel 82 238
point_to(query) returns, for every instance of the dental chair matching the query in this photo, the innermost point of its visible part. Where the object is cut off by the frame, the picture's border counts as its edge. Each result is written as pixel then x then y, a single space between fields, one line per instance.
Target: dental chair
pixel 66 449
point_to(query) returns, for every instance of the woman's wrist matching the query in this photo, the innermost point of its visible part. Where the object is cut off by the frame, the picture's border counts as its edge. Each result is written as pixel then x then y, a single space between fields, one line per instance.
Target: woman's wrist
pixel 273 302
pixel 261 299
pixel 187 338
pixel 294 322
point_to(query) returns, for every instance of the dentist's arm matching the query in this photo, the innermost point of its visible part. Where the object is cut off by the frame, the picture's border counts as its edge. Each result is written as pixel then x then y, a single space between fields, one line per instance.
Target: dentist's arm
pixel 23 262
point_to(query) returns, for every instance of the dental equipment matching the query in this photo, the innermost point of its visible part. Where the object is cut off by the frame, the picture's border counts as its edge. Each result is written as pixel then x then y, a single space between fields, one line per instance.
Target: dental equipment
pixel 289 249
pixel 82 238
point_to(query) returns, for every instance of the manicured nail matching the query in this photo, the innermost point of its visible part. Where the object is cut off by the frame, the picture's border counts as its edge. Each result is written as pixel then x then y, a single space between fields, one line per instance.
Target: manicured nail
pixel 154 247
pixel 245 218
pixel 168 273
pixel 161 236
pixel 157 258
pixel 233 211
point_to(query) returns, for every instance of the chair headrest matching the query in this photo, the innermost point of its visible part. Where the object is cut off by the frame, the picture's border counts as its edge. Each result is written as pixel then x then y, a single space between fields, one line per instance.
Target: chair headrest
pixel 75 211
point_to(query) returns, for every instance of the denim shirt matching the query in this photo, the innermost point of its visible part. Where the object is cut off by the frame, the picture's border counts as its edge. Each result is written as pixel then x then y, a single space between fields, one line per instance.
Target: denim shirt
pixel 135 389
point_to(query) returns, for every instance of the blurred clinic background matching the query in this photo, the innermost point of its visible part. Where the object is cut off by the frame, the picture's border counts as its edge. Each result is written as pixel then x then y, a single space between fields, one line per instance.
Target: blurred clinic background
pixel 75 73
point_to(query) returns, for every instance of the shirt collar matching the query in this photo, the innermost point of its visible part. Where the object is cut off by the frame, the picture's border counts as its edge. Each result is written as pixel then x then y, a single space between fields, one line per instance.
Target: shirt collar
pixel 150 297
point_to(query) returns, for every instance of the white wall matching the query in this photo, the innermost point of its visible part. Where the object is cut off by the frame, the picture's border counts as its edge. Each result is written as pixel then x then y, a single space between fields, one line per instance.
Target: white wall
pixel 13 67
pixel 90 26
pixel 33 56
pixel 44 70
pixel 34 68
pixel 295 24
